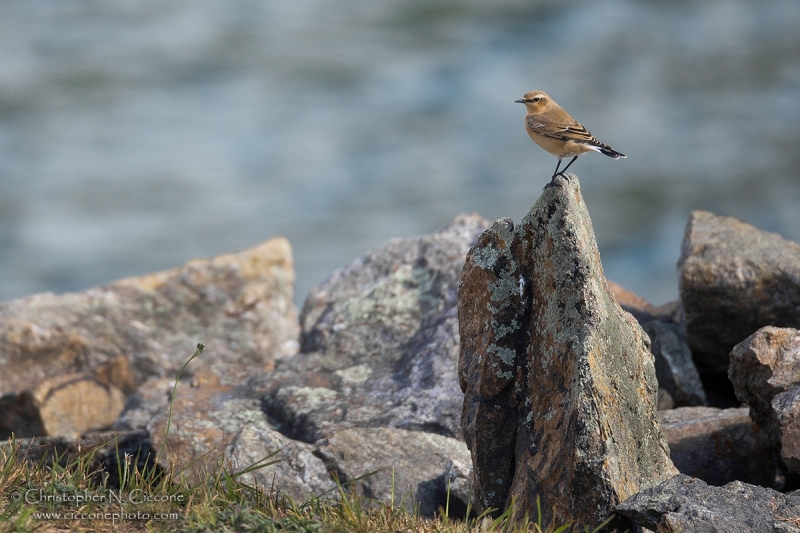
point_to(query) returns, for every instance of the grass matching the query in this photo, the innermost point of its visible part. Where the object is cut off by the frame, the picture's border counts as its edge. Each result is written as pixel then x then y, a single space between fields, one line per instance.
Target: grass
pixel 60 493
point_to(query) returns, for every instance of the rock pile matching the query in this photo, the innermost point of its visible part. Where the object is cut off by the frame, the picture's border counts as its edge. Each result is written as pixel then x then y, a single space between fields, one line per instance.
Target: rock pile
pixel 562 373
pixel 374 386
pixel 740 289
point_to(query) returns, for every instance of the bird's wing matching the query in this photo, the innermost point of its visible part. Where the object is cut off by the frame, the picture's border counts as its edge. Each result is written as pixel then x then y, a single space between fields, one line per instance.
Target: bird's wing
pixel 573 132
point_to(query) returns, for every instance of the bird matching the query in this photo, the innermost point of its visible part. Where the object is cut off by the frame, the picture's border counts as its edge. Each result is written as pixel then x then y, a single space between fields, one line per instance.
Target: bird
pixel 554 130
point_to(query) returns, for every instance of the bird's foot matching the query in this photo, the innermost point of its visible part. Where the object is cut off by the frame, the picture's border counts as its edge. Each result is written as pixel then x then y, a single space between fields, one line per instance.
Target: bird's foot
pixel 553 180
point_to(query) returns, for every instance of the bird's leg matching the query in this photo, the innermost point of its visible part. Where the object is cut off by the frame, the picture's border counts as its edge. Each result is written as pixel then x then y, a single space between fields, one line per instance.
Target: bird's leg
pixel 568 164
pixel 550 184
pixel 556 171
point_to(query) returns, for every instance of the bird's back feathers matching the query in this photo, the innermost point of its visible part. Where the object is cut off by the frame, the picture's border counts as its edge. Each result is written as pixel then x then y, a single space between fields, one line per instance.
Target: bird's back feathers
pixel 574 132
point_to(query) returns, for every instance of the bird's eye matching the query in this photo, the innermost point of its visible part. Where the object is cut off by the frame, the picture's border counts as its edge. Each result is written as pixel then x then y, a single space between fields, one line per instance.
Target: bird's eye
pixel 537 99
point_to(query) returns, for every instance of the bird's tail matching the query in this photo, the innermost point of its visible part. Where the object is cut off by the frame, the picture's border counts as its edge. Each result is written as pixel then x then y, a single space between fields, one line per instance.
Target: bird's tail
pixel 610 152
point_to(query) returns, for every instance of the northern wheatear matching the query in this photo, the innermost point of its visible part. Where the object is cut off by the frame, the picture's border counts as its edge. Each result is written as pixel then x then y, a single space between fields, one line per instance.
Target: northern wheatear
pixel 554 130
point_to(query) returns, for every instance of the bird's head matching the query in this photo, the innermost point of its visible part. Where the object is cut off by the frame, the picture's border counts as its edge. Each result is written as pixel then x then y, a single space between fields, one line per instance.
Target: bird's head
pixel 536 102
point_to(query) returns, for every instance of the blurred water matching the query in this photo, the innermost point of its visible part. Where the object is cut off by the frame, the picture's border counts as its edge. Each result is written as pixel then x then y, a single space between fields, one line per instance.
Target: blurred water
pixel 137 135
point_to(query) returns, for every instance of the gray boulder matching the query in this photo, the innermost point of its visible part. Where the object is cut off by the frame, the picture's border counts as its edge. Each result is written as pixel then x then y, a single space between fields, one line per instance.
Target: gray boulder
pixel 733 280
pixel 685 504
pixel 239 304
pixel 379 390
pixel 379 342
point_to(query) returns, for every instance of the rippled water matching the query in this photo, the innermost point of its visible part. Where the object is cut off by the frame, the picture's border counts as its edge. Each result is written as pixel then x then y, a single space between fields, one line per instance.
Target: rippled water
pixel 137 135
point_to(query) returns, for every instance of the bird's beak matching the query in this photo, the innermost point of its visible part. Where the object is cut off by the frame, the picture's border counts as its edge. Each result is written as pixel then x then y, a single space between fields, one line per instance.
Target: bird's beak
pixel 520 101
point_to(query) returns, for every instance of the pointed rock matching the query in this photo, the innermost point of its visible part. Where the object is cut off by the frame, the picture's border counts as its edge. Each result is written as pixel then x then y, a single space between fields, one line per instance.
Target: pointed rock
pixel 581 386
